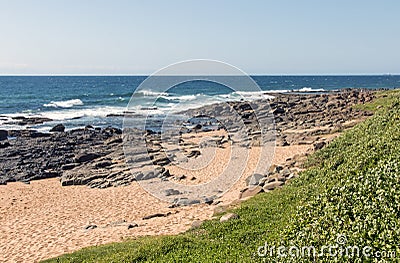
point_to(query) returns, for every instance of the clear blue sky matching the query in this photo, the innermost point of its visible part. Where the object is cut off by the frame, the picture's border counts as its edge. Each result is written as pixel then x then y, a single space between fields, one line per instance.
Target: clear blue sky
pixel 139 37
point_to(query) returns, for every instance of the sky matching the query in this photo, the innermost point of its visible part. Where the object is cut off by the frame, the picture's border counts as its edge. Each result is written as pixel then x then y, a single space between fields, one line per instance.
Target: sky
pixel 139 37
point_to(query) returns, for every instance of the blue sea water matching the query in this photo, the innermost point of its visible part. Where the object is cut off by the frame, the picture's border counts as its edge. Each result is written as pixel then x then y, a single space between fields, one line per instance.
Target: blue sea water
pixel 77 101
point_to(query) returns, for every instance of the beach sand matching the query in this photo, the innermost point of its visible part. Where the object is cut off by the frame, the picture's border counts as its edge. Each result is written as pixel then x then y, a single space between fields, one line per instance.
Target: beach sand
pixel 43 219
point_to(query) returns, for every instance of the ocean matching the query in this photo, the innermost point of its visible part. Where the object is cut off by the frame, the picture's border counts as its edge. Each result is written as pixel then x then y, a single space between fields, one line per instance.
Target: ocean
pixel 77 101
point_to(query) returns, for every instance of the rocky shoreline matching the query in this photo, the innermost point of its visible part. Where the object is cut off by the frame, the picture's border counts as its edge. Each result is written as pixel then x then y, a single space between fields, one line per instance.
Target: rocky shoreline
pixel 95 156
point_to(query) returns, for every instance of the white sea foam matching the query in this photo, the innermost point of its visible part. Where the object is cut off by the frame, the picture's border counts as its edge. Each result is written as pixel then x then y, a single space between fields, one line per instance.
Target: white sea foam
pixel 278 91
pixel 64 103
pixel 182 98
pixel 151 93
pixel 250 95
pixel 79 113
pixel 308 89
pixel 67 114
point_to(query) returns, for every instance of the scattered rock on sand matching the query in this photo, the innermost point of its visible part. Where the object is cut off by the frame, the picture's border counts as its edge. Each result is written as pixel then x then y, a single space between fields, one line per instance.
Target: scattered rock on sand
pixel 132 225
pixel 254 179
pixel 251 191
pixel 271 186
pixel 156 215
pixel 185 202
pixel 89 227
pixel 170 192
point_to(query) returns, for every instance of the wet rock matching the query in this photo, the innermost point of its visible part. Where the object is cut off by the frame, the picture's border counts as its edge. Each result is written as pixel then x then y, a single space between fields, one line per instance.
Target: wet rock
pixel 33 134
pixel 3 135
pixel 58 128
pixel 111 130
pixel 21 120
pixel 4 145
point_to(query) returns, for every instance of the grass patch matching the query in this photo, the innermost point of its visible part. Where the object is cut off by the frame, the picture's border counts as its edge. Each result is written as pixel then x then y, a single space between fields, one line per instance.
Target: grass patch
pixel 383 100
pixel 352 188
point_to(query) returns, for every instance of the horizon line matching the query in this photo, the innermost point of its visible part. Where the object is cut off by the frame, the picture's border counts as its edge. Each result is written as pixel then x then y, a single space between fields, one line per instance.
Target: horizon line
pixel 146 75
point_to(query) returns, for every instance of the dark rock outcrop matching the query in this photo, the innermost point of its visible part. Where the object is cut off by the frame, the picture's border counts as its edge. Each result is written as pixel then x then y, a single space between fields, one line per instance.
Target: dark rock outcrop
pixel 58 128
pixel 3 135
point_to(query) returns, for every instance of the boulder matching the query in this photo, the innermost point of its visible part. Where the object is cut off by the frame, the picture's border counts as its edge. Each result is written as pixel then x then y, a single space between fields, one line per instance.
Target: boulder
pixel 254 179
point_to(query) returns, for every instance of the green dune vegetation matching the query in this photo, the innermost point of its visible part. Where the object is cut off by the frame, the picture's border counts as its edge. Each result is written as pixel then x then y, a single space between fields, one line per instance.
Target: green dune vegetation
pixel 348 198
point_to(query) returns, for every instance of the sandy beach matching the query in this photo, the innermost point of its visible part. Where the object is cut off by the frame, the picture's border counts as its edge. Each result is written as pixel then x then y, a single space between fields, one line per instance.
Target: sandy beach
pixel 44 219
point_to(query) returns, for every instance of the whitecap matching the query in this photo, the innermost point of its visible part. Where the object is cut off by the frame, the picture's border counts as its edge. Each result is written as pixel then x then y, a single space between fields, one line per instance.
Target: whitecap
pixel 64 103
pixel 308 89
